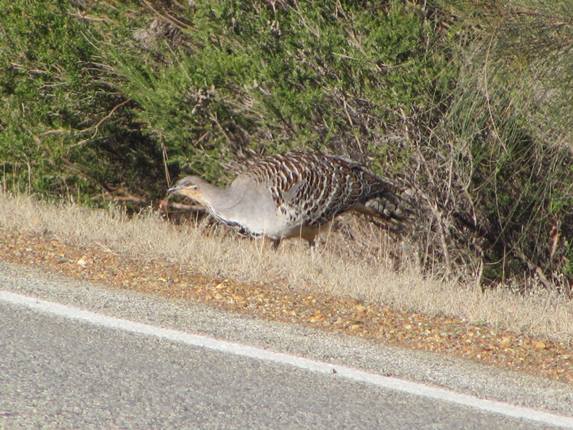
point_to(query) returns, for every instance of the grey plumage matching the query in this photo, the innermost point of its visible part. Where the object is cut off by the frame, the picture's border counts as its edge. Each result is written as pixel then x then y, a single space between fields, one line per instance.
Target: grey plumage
pixel 295 194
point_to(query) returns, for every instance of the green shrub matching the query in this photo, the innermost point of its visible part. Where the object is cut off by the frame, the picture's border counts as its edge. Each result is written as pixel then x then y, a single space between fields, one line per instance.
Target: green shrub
pixel 468 103
pixel 60 135
pixel 307 75
pixel 499 163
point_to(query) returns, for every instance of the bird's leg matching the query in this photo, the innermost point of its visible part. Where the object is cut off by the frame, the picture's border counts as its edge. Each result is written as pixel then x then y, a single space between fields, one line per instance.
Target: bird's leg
pixel 313 248
pixel 275 244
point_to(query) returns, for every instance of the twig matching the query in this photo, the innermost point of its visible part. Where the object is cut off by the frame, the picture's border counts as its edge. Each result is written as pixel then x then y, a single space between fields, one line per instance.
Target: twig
pixel 534 268
pixel 486 89
pixel 172 20
pixel 165 160
pixel 86 17
pixel 96 126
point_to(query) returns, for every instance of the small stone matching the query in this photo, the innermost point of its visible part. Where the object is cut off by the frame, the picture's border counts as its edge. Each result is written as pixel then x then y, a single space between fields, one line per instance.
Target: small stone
pixel 506 340
pixel 82 262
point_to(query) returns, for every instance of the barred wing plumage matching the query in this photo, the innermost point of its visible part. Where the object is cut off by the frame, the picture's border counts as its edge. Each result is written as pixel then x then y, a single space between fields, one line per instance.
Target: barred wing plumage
pixel 312 188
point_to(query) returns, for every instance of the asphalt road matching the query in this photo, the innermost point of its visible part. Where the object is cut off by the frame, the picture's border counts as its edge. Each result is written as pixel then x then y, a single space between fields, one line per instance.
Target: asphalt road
pixel 57 372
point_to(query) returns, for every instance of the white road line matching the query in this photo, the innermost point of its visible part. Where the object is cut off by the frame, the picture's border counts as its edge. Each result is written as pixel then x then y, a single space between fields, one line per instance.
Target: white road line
pixel 292 360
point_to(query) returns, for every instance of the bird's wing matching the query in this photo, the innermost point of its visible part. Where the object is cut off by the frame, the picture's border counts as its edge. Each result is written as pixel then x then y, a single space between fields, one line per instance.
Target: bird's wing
pixel 311 187
pixel 293 194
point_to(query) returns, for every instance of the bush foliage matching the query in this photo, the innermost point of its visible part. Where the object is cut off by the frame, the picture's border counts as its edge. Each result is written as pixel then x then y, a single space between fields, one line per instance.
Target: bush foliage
pixel 467 104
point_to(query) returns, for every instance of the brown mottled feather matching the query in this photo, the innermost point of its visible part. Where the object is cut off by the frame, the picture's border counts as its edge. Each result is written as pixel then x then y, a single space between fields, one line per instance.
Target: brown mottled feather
pixel 312 188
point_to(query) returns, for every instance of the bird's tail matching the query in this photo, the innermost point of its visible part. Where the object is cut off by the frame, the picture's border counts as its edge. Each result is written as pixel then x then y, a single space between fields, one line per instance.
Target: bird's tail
pixel 391 202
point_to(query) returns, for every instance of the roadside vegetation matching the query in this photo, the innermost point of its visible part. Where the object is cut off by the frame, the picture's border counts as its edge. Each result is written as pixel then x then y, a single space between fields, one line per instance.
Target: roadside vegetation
pixel 333 272
pixel 468 104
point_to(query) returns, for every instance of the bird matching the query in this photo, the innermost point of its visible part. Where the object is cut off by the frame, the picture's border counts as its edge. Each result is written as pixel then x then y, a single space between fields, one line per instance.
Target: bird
pixel 296 194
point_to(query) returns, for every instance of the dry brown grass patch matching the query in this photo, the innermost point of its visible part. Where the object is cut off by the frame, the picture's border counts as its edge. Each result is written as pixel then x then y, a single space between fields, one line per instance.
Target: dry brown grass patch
pixel 333 270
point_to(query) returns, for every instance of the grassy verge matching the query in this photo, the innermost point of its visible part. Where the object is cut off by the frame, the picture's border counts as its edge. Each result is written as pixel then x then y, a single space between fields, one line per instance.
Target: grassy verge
pixel 373 280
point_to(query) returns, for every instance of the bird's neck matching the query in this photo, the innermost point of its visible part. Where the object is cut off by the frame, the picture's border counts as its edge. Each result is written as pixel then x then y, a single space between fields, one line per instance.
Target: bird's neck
pixel 220 198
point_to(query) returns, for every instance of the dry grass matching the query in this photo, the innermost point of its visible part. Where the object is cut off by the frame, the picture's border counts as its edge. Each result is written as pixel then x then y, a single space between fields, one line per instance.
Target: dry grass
pixel 331 270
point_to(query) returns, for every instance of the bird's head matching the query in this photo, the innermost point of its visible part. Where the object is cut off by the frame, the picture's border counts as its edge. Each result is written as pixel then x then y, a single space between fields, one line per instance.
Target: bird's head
pixel 192 187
